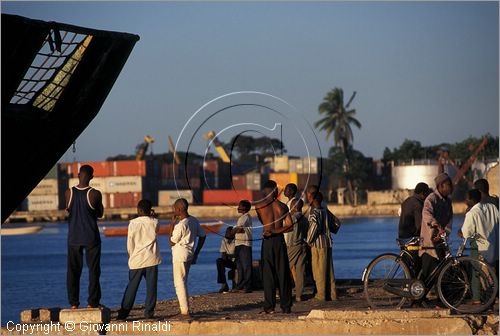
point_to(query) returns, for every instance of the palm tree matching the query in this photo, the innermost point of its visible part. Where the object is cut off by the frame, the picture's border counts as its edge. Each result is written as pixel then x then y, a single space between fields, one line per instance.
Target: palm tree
pixel 337 120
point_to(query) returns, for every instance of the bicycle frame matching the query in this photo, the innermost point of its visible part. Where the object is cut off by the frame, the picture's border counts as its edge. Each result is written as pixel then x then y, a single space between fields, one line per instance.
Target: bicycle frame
pixel 431 279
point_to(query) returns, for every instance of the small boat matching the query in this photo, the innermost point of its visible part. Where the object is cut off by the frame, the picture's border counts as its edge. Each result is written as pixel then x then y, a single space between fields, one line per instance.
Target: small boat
pixel 165 230
pixel 22 230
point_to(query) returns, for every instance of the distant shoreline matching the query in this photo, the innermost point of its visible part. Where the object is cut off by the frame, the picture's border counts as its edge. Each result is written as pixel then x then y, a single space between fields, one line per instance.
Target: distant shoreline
pixel 212 212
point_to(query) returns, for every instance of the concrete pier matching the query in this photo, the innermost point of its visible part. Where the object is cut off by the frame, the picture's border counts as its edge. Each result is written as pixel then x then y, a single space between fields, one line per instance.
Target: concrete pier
pixel 238 314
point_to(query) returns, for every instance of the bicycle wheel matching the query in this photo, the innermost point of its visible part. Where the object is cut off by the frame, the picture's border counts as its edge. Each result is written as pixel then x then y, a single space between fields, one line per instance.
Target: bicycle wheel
pixel 467 285
pixel 386 269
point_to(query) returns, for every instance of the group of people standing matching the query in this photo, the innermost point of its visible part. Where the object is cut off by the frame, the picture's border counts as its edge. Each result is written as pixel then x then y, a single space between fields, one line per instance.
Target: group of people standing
pixel 428 214
pixel 291 241
pixel 84 205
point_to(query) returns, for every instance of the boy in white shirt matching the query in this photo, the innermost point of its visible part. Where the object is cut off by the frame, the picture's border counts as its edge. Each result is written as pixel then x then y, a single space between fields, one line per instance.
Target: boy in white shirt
pixel 144 258
pixel 182 241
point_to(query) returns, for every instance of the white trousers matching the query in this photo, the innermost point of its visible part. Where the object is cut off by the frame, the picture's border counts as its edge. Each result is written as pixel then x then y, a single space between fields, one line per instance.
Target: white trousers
pixel 181 271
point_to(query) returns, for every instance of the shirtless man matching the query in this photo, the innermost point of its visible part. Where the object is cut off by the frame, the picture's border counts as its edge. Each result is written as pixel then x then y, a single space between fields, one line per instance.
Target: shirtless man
pixel 276 220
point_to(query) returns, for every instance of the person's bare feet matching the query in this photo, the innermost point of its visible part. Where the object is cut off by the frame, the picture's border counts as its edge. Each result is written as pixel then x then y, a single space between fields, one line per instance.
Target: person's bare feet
pixel 74 307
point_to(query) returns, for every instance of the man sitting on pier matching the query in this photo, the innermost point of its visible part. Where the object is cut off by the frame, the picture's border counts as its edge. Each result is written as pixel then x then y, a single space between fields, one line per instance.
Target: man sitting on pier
pixel 182 241
pixel 84 205
pixel 275 268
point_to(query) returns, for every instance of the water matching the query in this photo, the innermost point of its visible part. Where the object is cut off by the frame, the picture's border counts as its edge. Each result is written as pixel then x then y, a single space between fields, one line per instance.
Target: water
pixel 34 266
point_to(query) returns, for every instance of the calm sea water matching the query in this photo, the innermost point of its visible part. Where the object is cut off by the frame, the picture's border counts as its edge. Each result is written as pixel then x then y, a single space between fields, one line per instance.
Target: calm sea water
pixel 34 266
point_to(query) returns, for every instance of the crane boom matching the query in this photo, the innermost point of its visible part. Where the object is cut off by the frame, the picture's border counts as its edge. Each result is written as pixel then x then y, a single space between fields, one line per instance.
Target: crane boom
pixel 172 149
pixel 218 146
pixel 461 172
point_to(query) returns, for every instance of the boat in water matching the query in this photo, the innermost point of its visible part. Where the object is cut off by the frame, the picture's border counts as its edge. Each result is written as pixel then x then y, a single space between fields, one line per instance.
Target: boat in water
pixel 22 230
pixel 165 230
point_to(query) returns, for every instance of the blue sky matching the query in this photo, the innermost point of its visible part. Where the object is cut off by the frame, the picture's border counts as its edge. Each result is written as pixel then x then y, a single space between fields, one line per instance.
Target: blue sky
pixel 426 71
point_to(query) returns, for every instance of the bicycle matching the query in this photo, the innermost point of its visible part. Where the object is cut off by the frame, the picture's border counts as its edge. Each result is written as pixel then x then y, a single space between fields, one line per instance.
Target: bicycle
pixel 464 284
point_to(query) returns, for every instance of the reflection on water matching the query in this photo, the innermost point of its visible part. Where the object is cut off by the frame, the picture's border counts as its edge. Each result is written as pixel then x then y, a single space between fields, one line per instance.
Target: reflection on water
pixel 34 266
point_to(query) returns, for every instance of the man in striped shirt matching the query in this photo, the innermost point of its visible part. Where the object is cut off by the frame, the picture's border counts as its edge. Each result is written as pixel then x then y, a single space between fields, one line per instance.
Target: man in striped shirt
pixel 320 241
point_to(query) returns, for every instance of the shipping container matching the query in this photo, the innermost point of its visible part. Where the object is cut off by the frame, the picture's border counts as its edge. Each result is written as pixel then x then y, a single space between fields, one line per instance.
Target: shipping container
pixel 280 163
pixel 101 168
pixel 123 199
pixel 111 168
pixel 218 168
pixel 43 202
pixel 254 181
pixel 230 196
pixel 98 183
pixel 171 170
pixel 46 187
pixel 168 197
pixel 153 169
pixel 292 165
pixel 310 165
pixel 180 183
pixel 123 184
pixel 239 182
pixel 128 168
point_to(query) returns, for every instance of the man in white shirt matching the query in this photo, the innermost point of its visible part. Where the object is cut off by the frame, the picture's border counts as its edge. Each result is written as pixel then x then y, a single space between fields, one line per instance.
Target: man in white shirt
pixel 482 218
pixel 144 258
pixel 243 247
pixel 182 241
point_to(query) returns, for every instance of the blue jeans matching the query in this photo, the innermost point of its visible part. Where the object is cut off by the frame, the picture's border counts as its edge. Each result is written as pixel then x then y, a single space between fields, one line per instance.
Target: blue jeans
pixel 134 279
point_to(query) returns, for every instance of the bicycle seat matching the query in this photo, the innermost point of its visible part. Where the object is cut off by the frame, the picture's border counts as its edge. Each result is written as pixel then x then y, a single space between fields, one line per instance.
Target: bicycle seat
pixel 407 242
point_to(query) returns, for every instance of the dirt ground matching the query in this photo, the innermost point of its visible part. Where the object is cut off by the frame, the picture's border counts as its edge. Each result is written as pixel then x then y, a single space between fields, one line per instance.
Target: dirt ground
pixel 244 306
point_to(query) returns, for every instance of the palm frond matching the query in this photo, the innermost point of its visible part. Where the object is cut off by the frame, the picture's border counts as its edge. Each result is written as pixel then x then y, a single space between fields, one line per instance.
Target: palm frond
pixel 354 121
pixel 350 100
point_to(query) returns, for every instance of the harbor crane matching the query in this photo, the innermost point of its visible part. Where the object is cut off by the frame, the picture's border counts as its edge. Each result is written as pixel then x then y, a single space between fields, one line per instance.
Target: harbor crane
pixel 142 148
pixel 211 136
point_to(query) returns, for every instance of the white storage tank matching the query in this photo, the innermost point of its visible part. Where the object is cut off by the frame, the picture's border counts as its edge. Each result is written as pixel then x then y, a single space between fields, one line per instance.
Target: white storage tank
pixel 407 177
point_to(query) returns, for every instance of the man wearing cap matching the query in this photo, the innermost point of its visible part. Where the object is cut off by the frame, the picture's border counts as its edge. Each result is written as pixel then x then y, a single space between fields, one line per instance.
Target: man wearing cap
pixel 437 217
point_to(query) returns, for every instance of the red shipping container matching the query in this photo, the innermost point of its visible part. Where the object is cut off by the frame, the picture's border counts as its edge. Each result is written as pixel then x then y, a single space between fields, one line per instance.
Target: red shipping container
pixel 239 182
pixel 101 168
pixel 128 168
pixel 122 200
pixel 230 196
pixel 110 168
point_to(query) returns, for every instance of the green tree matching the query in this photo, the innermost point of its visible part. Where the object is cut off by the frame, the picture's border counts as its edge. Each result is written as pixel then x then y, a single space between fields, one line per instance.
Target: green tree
pixel 336 120
pixel 246 148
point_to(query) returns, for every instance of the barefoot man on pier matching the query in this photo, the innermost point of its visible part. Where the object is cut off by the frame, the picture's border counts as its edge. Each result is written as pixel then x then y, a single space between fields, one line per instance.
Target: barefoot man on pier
pixel 276 220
